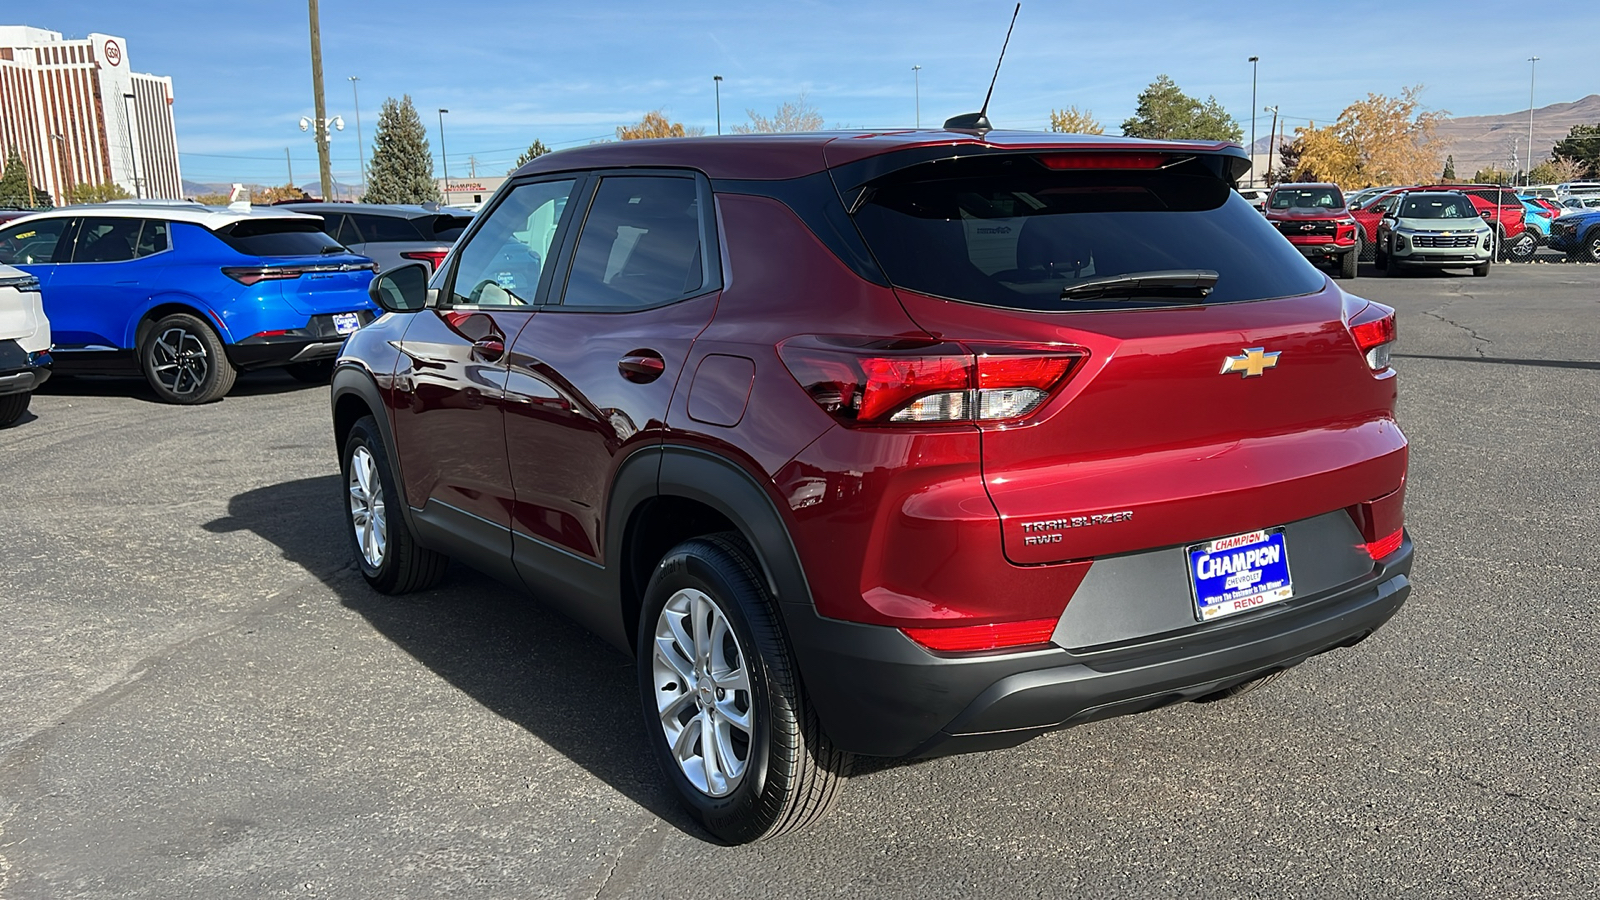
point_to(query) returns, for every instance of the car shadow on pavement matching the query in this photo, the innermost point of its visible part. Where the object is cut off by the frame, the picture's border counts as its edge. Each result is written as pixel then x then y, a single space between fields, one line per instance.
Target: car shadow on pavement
pixel 520 659
pixel 250 384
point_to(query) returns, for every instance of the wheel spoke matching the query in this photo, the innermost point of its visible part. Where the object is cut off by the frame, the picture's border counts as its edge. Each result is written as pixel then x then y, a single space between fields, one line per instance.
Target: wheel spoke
pixel 729 765
pixel 669 713
pixel 667 652
pixel 734 716
pixel 716 778
pixel 683 745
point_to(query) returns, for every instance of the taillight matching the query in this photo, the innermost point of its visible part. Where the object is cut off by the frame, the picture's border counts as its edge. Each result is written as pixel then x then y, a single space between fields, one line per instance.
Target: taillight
pixel 998 636
pixel 1386 545
pixel 1374 332
pixel 434 258
pixel 254 274
pixel 1104 160
pixel 898 381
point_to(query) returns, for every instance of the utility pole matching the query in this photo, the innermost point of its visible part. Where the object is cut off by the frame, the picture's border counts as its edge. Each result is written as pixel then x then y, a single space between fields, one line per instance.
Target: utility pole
pixel 443 158
pixel 1272 139
pixel 716 84
pixel 472 166
pixel 1255 64
pixel 1533 65
pixel 290 162
pixel 916 85
pixel 324 165
pixel 361 153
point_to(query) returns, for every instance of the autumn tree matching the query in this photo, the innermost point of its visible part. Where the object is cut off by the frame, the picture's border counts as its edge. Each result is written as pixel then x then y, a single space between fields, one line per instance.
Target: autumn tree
pixel 17 188
pixel 103 192
pixel 655 125
pixel 793 115
pixel 1165 111
pixel 211 199
pixel 1580 146
pixel 1379 140
pixel 401 170
pixel 534 151
pixel 1073 120
pixel 277 194
pixel 1557 171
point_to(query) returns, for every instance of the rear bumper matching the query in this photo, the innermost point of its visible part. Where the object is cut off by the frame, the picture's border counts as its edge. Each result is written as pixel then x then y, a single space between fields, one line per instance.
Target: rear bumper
pixel 318 340
pixel 880 694
pixel 20 370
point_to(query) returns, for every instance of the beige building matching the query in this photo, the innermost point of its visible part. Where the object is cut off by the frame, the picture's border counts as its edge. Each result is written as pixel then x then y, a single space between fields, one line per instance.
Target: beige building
pixel 79 114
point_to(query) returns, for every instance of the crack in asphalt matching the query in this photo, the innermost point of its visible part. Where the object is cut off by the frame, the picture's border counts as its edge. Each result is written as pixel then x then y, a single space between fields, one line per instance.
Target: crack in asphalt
pixel 616 861
pixel 1478 341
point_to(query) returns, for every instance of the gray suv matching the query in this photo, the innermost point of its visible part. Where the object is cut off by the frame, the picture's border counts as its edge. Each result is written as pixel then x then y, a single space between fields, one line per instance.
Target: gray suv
pixel 392 234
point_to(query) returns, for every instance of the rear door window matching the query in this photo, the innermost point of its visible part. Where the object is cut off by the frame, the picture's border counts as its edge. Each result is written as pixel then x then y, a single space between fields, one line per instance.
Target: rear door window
pixel 152 238
pixel 1008 231
pixel 640 244
pixel 279 237
pixel 443 228
pixel 106 239
pixel 385 229
pixel 34 243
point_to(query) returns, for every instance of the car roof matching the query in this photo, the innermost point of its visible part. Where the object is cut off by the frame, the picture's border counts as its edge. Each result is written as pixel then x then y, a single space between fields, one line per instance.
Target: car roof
pixel 407 210
pixel 782 156
pixel 211 217
pixel 1299 185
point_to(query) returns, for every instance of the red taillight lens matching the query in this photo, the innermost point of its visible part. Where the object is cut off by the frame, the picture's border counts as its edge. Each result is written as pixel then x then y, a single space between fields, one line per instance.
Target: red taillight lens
pixel 1001 635
pixel 434 258
pixel 1104 160
pixel 254 274
pixel 1374 331
pixel 895 381
pixel 1384 546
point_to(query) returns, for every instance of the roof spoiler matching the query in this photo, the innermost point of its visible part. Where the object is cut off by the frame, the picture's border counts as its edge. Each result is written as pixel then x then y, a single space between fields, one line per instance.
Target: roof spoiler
pixel 239 198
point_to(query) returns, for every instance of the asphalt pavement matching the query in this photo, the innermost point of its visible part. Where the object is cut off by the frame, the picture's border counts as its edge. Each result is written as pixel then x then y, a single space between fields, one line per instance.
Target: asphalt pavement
pixel 203 699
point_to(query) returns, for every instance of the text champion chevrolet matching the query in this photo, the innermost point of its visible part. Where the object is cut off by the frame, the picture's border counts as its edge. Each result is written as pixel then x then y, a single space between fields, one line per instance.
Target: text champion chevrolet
pixel 889 444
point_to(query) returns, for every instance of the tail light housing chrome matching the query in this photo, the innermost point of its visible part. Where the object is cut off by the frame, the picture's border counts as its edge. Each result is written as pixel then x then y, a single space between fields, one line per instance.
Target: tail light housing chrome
pixel 898 381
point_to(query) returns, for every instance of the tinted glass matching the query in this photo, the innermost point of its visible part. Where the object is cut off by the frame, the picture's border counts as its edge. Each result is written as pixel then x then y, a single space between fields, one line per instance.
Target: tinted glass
pixel 1006 231
pixel 640 245
pixel 279 237
pixel 1307 198
pixel 501 264
pixel 381 229
pixel 106 240
pixel 341 229
pixel 1437 206
pixel 32 243
pixel 445 229
pixel 152 238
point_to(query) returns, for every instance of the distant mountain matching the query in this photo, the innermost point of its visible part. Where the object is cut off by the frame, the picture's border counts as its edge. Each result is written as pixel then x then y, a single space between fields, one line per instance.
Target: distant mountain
pixel 343 191
pixel 1478 142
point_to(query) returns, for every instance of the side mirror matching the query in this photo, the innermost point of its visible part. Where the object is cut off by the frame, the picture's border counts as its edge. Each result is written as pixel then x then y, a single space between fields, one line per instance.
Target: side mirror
pixel 1487 214
pixel 402 289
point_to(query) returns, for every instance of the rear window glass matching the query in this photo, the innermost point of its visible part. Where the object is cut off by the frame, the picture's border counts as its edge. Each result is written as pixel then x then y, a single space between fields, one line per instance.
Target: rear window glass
pixel 385 229
pixel 279 237
pixel 1005 231
pixel 1307 198
pixel 443 228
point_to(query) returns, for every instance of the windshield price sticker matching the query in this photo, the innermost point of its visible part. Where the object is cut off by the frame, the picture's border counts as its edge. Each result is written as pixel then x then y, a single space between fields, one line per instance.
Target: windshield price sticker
pixel 1234 574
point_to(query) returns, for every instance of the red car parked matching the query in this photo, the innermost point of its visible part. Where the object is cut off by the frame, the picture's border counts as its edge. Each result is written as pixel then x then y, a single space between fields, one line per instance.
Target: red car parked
pixel 893 444
pixel 1314 219
pixel 1502 208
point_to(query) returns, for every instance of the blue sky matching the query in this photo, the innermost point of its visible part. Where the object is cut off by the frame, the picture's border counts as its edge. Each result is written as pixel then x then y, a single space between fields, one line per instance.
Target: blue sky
pixel 569 73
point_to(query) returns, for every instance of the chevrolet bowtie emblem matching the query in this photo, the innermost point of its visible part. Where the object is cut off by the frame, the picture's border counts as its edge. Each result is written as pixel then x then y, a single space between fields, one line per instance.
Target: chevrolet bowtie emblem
pixel 1253 361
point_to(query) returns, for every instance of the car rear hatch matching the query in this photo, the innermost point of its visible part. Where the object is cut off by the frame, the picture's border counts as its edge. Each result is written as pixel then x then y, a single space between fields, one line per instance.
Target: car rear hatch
pixel 311 271
pixel 1220 387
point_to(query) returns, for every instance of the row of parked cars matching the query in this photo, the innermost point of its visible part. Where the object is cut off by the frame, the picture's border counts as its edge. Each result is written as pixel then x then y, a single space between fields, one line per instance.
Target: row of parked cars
pixel 1482 223
pixel 189 296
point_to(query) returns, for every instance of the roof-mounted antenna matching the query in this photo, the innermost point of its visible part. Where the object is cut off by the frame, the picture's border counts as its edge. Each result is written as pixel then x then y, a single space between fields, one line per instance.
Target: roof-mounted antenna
pixel 978 122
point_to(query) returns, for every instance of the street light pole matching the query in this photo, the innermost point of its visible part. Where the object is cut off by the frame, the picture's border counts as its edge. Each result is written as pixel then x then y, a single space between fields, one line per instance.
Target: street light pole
pixel 443 158
pixel 916 82
pixel 1255 63
pixel 1533 65
pixel 133 158
pixel 716 85
pixel 361 152
pixel 1272 139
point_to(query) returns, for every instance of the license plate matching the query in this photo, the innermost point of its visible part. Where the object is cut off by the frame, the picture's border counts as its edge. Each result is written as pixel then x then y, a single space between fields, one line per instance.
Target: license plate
pixel 346 323
pixel 1243 572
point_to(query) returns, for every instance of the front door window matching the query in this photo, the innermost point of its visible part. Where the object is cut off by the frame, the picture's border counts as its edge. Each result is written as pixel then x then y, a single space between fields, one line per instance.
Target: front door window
pixel 505 259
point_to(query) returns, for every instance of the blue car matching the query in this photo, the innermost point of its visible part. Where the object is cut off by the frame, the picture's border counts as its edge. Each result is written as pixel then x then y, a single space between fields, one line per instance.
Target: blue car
pixel 1577 234
pixel 190 295
pixel 1538 219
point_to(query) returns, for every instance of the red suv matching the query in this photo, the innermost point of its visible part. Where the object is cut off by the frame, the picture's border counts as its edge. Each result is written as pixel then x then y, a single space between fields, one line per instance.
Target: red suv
pixel 1314 219
pixel 1502 208
pixel 891 444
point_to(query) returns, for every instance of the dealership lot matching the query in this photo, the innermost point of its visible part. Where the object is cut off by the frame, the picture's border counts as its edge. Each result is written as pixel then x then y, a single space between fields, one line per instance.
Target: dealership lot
pixel 204 698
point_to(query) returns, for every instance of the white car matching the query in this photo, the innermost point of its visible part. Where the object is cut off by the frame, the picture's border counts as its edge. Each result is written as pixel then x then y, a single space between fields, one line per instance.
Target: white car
pixel 1255 196
pixel 24 342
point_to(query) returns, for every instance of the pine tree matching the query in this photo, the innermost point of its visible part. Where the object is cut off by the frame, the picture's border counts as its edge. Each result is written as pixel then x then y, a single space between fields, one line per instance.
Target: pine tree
pixel 1167 112
pixel 534 151
pixel 1449 173
pixel 402 166
pixel 14 185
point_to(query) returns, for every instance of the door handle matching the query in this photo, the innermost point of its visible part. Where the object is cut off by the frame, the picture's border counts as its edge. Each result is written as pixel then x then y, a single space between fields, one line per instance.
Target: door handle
pixel 641 367
pixel 489 349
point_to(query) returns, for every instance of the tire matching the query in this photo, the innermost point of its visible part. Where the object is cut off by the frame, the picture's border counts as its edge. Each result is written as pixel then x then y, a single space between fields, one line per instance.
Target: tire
pixel 1390 265
pixel 1347 262
pixel 789 775
pixel 12 406
pixel 184 361
pixel 1481 271
pixel 319 372
pixel 1590 251
pixel 1522 248
pixel 391 560
pixel 1380 259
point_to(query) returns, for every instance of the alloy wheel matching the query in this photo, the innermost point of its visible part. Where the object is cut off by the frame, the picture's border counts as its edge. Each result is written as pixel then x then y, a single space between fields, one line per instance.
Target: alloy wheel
pixel 703 696
pixel 1522 249
pixel 180 361
pixel 367 513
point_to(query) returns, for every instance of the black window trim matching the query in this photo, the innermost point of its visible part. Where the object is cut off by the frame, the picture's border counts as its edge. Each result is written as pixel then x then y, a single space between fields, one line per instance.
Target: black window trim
pixel 710 244
pixel 444 281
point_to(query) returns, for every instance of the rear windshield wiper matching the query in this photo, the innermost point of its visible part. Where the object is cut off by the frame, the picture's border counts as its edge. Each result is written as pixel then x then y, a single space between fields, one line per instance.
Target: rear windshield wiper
pixel 1175 283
